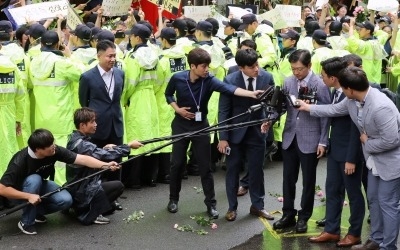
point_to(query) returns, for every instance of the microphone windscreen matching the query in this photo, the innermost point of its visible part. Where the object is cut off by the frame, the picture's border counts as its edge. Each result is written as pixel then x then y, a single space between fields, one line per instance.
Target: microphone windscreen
pixel 275 96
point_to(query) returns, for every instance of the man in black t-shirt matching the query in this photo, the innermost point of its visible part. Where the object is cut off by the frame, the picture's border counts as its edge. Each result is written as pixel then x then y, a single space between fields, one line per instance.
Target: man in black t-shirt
pixel 26 174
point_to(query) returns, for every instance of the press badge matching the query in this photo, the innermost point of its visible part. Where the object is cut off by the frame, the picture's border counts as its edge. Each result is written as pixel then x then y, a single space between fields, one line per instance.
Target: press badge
pixel 197 117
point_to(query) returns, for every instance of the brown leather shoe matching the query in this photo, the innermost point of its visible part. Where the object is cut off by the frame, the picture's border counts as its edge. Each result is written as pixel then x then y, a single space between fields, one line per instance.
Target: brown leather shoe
pixel 242 191
pixel 324 237
pixel 348 241
pixel 368 245
pixel 261 213
pixel 230 215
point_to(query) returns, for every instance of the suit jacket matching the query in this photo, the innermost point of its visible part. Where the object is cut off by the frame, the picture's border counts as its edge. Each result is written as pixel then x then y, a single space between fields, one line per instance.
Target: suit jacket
pixel 230 106
pixel 309 131
pixel 344 141
pixel 381 122
pixel 93 94
pixel 232 69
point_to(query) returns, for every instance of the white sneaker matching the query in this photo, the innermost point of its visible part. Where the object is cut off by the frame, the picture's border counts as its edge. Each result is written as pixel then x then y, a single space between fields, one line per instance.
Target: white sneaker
pixel 31 230
pixel 101 220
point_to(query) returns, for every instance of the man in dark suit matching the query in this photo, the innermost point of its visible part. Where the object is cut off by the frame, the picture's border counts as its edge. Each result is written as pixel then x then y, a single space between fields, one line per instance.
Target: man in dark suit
pixel 100 89
pixel 304 141
pixel 248 141
pixel 344 167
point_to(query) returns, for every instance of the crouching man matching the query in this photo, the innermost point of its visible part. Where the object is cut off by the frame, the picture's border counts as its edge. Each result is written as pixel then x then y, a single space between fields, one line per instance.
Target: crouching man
pixel 93 198
pixel 26 174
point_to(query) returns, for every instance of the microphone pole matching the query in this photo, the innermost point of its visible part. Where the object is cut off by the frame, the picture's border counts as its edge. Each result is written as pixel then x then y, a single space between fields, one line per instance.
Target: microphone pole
pixel 184 136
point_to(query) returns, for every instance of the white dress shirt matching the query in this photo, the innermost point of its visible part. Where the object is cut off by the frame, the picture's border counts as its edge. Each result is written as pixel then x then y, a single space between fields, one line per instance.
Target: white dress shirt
pixel 108 78
pixel 246 81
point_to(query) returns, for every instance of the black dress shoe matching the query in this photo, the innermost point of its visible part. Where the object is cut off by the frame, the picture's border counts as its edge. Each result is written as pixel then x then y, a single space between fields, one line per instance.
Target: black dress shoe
pixel 285 222
pixel 172 206
pixel 321 223
pixel 117 206
pixel 301 226
pixel 212 212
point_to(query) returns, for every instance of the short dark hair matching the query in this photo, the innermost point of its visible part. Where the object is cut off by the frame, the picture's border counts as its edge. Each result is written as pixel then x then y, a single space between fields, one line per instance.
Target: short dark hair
pixel 246 57
pixel 83 115
pixel 248 43
pixel 103 45
pixel 333 66
pixel 339 6
pixel 353 78
pixel 20 32
pixel 198 56
pixel 300 55
pixel 40 138
pixel 353 58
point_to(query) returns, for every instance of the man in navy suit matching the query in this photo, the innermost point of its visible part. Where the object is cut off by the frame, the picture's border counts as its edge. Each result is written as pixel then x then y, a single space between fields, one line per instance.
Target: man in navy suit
pixel 304 141
pixel 248 141
pixel 100 89
pixel 344 167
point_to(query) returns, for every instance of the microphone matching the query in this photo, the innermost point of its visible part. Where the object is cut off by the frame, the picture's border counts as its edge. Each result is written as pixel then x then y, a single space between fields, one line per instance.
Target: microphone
pixel 275 96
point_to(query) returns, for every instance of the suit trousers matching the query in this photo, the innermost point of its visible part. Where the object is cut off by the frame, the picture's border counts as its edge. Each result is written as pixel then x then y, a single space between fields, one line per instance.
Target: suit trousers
pixel 293 158
pixel 201 150
pixel 252 148
pixel 336 184
pixel 383 198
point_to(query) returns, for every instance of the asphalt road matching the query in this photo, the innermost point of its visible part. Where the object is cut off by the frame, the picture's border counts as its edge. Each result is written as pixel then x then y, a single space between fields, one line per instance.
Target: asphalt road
pixel 156 229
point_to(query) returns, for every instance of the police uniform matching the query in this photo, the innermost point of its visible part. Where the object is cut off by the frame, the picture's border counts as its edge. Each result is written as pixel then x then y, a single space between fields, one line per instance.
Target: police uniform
pixel 52 76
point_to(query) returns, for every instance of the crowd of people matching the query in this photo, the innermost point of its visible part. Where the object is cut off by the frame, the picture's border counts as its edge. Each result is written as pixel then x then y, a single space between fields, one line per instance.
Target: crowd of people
pixel 87 96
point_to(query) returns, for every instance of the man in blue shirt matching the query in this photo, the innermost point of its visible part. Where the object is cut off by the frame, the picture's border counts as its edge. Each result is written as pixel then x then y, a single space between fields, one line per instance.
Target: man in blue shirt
pixel 193 89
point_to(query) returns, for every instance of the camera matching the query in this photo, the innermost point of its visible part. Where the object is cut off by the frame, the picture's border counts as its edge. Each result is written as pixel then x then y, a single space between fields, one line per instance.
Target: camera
pixel 308 94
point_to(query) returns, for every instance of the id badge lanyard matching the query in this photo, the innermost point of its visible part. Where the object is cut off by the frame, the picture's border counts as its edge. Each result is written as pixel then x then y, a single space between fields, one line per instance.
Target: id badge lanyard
pixel 197 117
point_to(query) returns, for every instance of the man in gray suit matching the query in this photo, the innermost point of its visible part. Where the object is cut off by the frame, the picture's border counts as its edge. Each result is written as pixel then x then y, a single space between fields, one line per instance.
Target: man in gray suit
pixel 378 121
pixel 304 141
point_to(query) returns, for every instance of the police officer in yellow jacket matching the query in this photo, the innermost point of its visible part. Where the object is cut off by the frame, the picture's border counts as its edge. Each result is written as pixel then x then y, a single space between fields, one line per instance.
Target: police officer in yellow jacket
pixel 260 33
pixel 52 75
pixel 17 56
pixel 368 48
pixel 141 116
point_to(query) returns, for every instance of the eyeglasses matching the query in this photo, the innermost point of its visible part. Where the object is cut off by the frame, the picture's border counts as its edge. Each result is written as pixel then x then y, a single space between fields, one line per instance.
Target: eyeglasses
pixel 299 69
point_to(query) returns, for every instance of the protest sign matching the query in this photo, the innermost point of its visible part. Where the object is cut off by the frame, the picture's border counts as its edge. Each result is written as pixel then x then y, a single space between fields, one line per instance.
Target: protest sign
pixel 319 3
pixel 73 19
pixel 384 6
pixel 172 6
pixel 291 14
pixel 275 17
pixel 197 13
pixel 116 7
pixel 38 11
pixel 237 12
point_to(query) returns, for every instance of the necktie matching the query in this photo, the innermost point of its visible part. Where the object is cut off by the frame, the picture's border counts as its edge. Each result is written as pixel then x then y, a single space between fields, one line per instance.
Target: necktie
pixel 336 96
pixel 250 86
